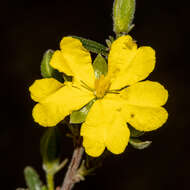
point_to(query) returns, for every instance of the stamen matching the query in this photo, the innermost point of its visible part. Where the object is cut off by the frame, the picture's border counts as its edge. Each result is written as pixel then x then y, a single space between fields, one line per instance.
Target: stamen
pixel 101 86
pixel 112 92
pixel 86 86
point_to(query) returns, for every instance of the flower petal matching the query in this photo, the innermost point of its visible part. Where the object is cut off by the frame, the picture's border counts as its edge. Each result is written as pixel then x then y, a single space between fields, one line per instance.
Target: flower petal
pixel 42 88
pixel 118 137
pixel 142 105
pixel 127 64
pixel 145 118
pixel 146 93
pixel 93 146
pixel 104 127
pixel 74 60
pixel 54 108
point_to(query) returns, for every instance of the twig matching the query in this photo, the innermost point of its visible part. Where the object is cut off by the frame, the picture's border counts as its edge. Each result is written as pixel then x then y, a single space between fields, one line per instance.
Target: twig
pixel 71 176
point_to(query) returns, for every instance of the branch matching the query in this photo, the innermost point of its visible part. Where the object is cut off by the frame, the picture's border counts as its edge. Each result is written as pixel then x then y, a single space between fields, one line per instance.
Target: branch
pixel 71 176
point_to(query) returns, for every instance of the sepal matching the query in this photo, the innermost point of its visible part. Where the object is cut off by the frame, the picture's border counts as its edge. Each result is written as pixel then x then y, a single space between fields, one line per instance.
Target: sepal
pixel 79 116
pixel 134 132
pixel 93 46
pixel 100 66
pixel 47 71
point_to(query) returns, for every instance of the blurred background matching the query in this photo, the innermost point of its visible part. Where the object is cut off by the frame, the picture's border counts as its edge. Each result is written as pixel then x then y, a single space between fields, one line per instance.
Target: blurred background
pixel 29 28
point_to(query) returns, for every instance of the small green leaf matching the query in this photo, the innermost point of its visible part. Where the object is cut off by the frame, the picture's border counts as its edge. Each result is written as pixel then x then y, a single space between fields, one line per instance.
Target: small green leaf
pixel 46 70
pixel 93 46
pixel 50 149
pixel 123 15
pixel 32 179
pixel 80 115
pixel 138 144
pixel 134 132
pixel 100 66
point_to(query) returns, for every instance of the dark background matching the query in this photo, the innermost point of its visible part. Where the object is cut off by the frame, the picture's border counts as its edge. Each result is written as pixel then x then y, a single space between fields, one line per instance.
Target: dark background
pixel 29 28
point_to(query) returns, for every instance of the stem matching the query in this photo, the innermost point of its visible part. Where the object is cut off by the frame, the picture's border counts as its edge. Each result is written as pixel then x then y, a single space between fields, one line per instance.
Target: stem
pixel 50 181
pixel 71 176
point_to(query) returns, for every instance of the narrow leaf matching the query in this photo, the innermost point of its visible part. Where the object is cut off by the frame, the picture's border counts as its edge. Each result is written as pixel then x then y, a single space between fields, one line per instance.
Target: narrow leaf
pixel 50 148
pixel 100 66
pixel 138 144
pixel 80 115
pixel 46 70
pixel 32 179
pixel 93 46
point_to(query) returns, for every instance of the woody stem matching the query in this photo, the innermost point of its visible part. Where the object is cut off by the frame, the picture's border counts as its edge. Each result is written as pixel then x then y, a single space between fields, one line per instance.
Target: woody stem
pixel 71 176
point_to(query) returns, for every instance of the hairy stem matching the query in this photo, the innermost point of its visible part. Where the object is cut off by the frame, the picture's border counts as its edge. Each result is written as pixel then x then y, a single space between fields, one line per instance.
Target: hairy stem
pixel 71 176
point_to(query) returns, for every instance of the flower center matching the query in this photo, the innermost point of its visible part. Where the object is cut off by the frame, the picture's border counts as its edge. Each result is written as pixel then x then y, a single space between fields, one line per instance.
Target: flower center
pixel 102 84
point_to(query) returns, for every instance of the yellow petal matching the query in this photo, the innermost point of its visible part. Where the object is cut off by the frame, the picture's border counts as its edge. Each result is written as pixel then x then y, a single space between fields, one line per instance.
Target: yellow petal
pixel 74 60
pixel 54 108
pixel 93 146
pixel 147 93
pixel 145 118
pixel 118 136
pixel 104 127
pixel 42 88
pixel 127 64
pixel 58 62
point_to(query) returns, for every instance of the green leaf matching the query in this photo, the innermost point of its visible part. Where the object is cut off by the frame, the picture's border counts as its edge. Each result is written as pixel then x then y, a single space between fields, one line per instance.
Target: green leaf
pixel 32 179
pixel 46 70
pixel 50 149
pixel 93 46
pixel 123 15
pixel 80 115
pixel 134 132
pixel 100 66
pixel 138 144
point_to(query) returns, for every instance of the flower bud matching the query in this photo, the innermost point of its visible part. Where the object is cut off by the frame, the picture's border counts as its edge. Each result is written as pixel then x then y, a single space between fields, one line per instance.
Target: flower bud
pixel 123 14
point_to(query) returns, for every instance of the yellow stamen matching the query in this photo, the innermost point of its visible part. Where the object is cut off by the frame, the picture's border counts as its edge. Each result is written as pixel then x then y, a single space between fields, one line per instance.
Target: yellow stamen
pixel 101 86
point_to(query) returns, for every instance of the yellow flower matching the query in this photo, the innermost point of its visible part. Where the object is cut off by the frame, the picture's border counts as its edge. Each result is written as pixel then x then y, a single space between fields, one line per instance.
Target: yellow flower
pixel 120 97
